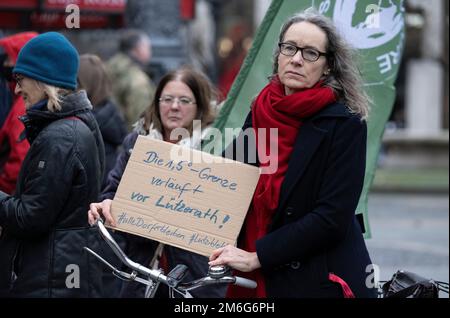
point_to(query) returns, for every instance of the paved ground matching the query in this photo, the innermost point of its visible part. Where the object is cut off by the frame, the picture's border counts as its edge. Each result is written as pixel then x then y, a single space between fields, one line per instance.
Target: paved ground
pixel 410 232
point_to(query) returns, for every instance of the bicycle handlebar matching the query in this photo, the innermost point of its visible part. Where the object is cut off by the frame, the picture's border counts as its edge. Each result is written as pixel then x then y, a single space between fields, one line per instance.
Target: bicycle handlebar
pixel 244 282
pixel 154 275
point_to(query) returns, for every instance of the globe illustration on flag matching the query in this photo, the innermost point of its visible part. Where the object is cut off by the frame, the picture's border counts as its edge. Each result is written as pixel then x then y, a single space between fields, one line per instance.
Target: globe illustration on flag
pixel 367 25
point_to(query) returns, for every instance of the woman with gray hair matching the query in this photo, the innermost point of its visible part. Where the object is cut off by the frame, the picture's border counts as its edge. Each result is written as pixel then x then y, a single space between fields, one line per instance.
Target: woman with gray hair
pixel 44 222
pixel 301 237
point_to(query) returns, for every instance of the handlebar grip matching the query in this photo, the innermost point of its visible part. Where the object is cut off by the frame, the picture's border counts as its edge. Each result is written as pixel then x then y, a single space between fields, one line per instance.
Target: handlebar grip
pixel 244 282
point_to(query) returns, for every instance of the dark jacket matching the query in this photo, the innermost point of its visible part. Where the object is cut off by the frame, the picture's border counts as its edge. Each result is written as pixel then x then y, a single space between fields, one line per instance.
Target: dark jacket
pixel 141 250
pixel 44 224
pixel 6 98
pixel 113 129
pixel 314 230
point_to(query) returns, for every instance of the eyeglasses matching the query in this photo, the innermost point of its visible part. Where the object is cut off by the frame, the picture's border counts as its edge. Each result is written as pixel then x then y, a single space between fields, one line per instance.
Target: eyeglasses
pixel 309 54
pixel 169 100
pixel 18 78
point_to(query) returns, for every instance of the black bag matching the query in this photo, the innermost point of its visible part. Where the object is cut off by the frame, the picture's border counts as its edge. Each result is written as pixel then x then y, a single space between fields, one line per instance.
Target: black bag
pixel 409 285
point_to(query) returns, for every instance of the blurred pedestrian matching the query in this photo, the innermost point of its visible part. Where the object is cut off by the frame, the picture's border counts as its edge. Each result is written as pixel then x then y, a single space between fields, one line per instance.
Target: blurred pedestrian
pixel 12 150
pixel 132 88
pixel 44 223
pixel 92 77
pixel 182 96
pixel 301 237
pixel 231 62
pixel 5 90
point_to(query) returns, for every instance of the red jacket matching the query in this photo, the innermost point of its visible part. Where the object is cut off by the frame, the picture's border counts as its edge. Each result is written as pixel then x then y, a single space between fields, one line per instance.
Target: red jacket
pixel 9 136
pixel 12 151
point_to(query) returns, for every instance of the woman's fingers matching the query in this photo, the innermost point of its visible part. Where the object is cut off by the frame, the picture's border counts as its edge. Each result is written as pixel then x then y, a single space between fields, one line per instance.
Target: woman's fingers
pixel 98 209
pixel 91 219
pixel 216 262
pixel 235 258
pixel 216 253
pixel 93 214
pixel 221 256
pixel 106 211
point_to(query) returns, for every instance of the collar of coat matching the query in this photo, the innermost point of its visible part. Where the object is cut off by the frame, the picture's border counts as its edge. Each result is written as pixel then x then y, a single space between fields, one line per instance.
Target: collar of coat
pixel 333 110
pixel 193 142
pixel 72 105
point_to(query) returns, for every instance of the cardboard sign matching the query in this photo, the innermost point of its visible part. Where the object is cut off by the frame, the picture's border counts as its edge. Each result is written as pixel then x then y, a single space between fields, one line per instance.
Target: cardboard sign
pixel 183 197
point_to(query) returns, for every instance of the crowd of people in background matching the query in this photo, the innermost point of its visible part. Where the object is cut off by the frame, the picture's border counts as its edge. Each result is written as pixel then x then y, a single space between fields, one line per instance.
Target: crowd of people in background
pixel 69 123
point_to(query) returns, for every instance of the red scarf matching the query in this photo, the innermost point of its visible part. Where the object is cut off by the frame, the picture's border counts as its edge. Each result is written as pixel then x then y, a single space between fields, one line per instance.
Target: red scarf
pixel 273 109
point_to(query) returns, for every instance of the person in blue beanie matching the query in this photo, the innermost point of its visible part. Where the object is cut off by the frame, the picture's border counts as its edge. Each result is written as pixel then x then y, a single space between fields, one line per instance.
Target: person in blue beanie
pixel 44 226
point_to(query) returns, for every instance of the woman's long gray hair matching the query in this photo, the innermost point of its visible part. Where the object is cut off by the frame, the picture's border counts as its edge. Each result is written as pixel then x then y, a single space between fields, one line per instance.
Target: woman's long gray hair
pixel 344 77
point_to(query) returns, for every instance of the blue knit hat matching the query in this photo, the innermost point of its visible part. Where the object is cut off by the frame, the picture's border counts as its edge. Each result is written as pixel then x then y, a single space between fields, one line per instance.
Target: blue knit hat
pixel 49 58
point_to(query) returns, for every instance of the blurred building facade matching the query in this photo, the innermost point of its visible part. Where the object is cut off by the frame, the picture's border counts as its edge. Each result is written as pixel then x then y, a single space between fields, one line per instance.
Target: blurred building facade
pixel 417 134
pixel 214 35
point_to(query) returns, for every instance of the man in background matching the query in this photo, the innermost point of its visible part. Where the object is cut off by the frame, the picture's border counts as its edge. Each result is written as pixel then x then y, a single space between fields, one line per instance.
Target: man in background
pixel 133 90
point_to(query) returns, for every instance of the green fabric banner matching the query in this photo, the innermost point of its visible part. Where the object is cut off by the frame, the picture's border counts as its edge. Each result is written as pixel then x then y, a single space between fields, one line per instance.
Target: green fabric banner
pixel 374 28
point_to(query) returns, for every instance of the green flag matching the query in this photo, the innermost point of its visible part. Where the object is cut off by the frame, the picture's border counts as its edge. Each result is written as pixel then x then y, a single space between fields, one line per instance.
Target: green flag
pixel 375 28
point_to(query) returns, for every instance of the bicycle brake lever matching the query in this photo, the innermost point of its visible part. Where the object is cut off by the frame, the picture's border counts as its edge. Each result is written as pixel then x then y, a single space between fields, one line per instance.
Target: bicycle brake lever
pixel 118 273
pixel 100 258
pixel 132 277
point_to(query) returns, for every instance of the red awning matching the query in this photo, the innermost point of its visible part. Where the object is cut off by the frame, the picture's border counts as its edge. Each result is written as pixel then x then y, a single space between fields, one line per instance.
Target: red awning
pixel 97 6
pixel 19 4
pixel 51 14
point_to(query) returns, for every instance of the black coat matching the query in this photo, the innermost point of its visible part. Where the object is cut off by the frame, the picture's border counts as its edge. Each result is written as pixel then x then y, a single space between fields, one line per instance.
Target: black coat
pixel 45 223
pixel 113 129
pixel 314 230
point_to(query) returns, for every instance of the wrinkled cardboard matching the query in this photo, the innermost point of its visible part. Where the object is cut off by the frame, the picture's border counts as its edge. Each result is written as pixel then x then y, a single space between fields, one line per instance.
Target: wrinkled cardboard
pixel 168 194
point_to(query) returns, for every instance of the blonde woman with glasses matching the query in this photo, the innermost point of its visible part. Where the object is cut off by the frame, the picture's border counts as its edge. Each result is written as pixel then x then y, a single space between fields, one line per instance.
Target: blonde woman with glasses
pixel 44 222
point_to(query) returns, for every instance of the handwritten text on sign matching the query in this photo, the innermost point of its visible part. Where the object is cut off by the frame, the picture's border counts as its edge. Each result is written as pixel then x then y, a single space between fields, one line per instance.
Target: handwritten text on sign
pixel 198 205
